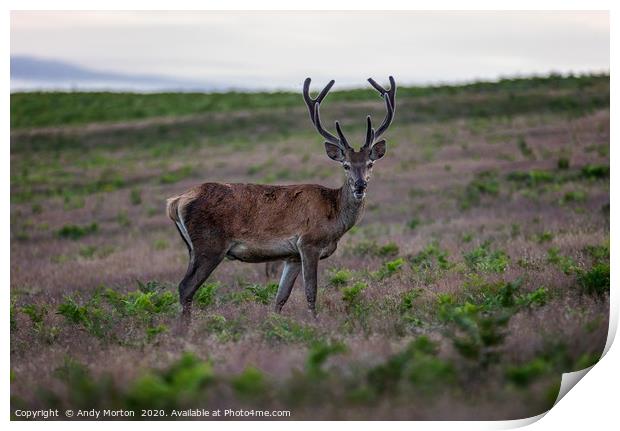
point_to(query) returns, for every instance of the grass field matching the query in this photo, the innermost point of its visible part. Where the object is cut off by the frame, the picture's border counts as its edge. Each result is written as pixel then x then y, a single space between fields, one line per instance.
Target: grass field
pixel 479 273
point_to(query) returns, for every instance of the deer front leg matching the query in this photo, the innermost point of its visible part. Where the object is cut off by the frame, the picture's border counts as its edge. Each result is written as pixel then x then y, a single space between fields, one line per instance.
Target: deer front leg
pixel 310 263
pixel 289 275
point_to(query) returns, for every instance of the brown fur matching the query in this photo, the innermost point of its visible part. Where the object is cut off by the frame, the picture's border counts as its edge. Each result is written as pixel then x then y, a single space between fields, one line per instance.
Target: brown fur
pixel 258 213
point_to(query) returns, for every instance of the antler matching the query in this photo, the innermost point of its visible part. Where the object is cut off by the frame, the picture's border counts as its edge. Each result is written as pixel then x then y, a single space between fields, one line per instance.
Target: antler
pixel 388 96
pixel 313 109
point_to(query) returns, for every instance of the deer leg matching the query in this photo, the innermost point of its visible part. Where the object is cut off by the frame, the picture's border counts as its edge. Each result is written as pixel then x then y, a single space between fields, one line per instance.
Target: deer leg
pixel 310 264
pixel 289 275
pixel 198 271
pixel 271 270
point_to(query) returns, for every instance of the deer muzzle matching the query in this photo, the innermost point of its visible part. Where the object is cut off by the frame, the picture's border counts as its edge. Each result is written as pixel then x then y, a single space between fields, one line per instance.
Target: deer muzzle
pixel 359 189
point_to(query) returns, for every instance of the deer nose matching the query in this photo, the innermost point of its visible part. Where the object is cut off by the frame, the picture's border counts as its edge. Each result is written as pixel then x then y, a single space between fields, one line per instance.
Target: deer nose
pixel 360 184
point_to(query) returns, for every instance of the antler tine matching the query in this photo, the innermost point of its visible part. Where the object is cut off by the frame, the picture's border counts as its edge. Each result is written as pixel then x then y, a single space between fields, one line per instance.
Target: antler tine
pixel 310 102
pixel 370 133
pixel 313 109
pixel 343 140
pixel 378 87
pixel 388 117
pixel 328 136
pixel 389 96
pixel 383 91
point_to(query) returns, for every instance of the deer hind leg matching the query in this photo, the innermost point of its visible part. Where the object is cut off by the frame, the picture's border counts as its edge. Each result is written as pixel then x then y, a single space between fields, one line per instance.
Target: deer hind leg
pixel 289 275
pixel 198 271
pixel 204 257
pixel 272 269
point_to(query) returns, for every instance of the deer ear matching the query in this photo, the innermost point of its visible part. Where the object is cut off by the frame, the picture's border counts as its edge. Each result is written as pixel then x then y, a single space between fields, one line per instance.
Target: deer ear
pixel 334 152
pixel 378 150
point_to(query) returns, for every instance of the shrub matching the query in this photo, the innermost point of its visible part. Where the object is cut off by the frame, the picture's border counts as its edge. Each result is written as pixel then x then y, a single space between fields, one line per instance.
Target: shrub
pixel 524 148
pixel 225 329
pixel 467 237
pixel 176 175
pixel 153 331
pixel 431 258
pixel 182 382
pixel 13 321
pixel 89 316
pixel 503 295
pixel 586 360
pixel 483 259
pixel 93 251
pixel 37 316
pixel 75 232
pixel 72 311
pixel 180 385
pixel 563 163
pixel 36 313
pixel 147 303
pixel 544 237
pixel 417 365
pixel 282 330
pixel 205 295
pixel 82 389
pixel 477 331
pixel 88 252
pixel 565 263
pixel 123 219
pixel 319 353
pixel 135 196
pixel 249 383
pixel 413 223
pixel 596 280
pixel 160 244
pixel 484 183
pixel 388 250
pixel 408 298
pixel 371 248
pixel 523 375
pixel 537 297
pixel 149 286
pixel 598 252
pixel 533 178
pixel 595 172
pixel 263 294
pixel 350 295
pixel 573 196
pixel 427 372
pixel 389 268
pixel 340 277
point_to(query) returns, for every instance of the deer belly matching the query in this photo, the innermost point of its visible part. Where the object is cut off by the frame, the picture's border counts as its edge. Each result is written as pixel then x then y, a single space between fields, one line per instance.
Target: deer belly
pixel 254 253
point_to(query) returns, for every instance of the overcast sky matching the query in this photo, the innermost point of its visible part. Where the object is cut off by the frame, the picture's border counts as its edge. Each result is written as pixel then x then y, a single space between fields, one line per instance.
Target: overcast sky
pixel 279 49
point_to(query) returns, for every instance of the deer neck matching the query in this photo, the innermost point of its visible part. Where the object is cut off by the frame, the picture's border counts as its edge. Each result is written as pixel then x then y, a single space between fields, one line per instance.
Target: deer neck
pixel 351 209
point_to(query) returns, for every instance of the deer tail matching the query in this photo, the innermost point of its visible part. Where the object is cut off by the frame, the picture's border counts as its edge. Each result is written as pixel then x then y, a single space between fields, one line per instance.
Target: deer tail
pixel 174 209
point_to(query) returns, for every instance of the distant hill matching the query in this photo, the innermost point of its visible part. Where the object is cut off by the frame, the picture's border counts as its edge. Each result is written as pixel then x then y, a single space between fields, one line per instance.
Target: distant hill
pixel 32 73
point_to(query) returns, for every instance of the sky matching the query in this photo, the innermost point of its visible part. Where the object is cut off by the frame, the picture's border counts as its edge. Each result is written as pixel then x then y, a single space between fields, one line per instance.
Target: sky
pixel 268 50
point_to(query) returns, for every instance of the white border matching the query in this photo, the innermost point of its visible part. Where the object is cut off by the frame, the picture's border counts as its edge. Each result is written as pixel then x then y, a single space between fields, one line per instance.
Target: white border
pixel 592 403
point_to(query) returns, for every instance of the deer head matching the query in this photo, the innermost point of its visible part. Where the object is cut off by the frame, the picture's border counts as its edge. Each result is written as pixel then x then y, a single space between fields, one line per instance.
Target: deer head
pixel 357 164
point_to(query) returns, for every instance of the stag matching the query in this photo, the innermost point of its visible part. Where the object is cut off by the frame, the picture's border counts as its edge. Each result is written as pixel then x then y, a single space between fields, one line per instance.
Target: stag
pixel 298 224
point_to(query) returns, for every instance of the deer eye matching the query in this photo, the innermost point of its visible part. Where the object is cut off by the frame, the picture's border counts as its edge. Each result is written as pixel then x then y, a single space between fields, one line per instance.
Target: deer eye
pixel 346 167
